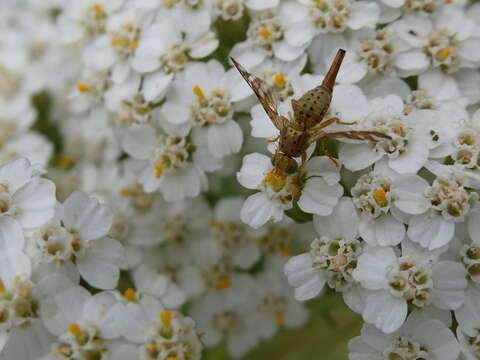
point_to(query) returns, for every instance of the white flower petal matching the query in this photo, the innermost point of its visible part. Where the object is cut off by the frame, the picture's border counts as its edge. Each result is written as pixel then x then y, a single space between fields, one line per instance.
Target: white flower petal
pixel 386 312
pixel 253 170
pixel 449 285
pixel 372 267
pixel 430 231
pixel 225 139
pixel 408 190
pixel 258 209
pixel 138 141
pixel 384 231
pixel 358 156
pixel 318 197
pixel 342 223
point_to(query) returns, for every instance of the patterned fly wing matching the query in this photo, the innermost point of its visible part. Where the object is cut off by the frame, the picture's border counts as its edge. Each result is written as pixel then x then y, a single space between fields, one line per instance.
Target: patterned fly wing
pixel 265 95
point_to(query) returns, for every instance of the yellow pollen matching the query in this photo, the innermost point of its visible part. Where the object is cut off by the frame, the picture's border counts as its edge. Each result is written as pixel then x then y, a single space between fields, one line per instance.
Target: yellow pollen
pixel 75 329
pixel 223 282
pixel 444 53
pixel 62 351
pixel 130 295
pixel 133 45
pixel 198 91
pixel 285 252
pixel 379 195
pixel 165 318
pixel 274 180
pixel 167 4
pixel 213 223
pixel 280 79
pixel 449 1
pixel 172 358
pixel 280 319
pixel 264 32
pixel 65 161
pixel 98 8
pixel 118 41
pixel 126 192
pixel 2 286
pixel 82 87
pixel 159 168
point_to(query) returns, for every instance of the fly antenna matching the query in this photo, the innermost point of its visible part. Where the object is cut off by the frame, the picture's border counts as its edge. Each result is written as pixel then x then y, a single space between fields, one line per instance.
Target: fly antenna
pixel 329 80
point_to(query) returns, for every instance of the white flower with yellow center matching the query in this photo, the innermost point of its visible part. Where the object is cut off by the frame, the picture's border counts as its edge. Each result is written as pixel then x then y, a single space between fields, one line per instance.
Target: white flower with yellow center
pixel 419 338
pixel 92 323
pixel 83 20
pixel 447 41
pixel 332 257
pixel 437 207
pixel 24 196
pixel 170 42
pixel 373 199
pixel 407 150
pixel 315 189
pixel 157 333
pixel 77 240
pixel 415 278
pixel 229 9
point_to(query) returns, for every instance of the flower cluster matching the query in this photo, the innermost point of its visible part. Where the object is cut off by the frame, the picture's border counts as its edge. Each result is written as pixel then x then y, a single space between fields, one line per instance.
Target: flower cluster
pixel 142 215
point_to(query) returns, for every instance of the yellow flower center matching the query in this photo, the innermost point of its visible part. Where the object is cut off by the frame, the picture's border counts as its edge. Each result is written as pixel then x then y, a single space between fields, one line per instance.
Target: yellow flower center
pixel 276 181
pixel 133 44
pixel 75 329
pixel 198 91
pixel 264 32
pixel 82 87
pixel 379 195
pixel 65 161
pixel 279 79
pixel 280 319
pixel 223 282
pixel 166 318
pixel 444 53
pixel 130 295
pixel 98 9
pixel 2 286
pixel 285 252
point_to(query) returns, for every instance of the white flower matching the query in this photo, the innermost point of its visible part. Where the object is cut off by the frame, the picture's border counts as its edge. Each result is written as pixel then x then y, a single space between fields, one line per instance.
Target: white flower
pixel 332 257
pixel 157 332
pixel 203 98
pixel 316 189
pixel 416 278
pixel 167 162
pixel 79 233
pixel 373 199
pixel 24 196
pixel 408 148
pixel 420 337
pixel 437 208
pixel 91 323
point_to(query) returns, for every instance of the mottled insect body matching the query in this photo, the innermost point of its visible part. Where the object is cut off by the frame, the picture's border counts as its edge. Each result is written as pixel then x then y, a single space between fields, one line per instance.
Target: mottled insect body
pixel 308 123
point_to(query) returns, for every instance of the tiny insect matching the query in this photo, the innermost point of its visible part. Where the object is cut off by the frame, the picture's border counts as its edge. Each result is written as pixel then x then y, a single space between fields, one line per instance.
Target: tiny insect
pixel 308 115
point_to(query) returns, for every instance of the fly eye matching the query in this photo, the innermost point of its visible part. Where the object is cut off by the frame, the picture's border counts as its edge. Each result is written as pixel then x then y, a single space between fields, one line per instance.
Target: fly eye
pixel 291 169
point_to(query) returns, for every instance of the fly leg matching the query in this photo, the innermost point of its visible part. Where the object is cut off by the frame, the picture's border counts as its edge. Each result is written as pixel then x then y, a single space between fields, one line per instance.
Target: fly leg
pixel 271 140
pixel 304 160
pixel 327 152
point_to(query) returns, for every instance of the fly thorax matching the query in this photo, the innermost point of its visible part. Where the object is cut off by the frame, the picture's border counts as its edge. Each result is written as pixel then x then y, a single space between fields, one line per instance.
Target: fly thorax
pixel 450 199
pixel 404 348
pixel 372 196
pixel 211 108
pixel 17 305
pixel 467 149
pixel 292 141
pixel 172 152
pixel 229 9
pixel 443 49
pixel 330 16
pixel 337 258
pixel 377 52
pixel 82 341
pixel 171 336
pixel 411 281
pixel 264 31
pixel 125 40
pixel 277 240
pixel 470 255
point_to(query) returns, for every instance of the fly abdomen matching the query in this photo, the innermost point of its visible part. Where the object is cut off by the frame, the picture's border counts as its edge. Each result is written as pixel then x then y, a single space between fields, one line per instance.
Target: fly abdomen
pixel 310 109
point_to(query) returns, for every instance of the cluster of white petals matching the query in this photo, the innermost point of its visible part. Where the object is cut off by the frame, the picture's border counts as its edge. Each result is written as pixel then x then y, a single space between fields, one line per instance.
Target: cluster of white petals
pixel 142 216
